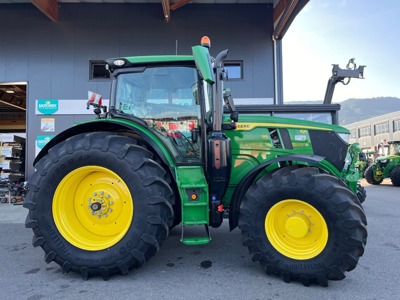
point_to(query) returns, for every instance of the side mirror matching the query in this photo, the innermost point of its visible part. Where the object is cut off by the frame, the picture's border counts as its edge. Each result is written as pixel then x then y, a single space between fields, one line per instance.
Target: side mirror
pixel 362 156
pixel 235 116
pixel 195 135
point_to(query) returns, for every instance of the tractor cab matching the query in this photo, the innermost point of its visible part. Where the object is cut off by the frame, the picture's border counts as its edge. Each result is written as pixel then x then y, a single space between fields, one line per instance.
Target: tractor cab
pixel 394 148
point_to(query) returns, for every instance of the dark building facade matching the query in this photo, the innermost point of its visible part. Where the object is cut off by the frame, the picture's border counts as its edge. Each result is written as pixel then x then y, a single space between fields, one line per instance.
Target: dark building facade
pixel 55 59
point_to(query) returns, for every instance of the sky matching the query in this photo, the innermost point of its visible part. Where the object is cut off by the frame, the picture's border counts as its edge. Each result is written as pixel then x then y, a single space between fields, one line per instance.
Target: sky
pixel 330 32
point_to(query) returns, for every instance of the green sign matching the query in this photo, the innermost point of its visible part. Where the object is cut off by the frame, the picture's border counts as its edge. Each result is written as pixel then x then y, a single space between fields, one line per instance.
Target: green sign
pixel 47 107
pixel 42 140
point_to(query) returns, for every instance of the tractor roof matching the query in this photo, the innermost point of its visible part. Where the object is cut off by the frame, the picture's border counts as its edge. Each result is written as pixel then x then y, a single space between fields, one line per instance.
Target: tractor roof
pixel 158 58
pixel 144 61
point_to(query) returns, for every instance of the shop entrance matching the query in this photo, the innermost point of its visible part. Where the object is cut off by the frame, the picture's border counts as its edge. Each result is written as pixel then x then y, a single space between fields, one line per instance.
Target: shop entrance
pixel 12 140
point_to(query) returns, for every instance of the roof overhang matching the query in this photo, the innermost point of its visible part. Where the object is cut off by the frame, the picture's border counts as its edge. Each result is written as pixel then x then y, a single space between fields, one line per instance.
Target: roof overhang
pixel 48 7
pixel 284 13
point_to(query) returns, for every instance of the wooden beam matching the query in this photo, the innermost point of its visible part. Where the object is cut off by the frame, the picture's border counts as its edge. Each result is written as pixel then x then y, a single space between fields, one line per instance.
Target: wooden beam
pixel 19 104
pixel 179 4
pixel 283 15
pixel 166 10
pixel 48 7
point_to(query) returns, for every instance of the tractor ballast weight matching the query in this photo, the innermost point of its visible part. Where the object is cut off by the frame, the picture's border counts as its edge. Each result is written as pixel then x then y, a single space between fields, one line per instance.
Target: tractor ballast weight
pixel 168 152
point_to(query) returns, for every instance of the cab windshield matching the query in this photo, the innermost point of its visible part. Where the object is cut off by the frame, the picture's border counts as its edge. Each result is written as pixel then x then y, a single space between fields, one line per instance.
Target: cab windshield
pixel 394 148
pixel 164 97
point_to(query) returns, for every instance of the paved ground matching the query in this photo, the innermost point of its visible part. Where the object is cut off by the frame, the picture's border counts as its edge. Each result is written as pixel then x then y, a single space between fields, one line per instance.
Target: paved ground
pixel 220 270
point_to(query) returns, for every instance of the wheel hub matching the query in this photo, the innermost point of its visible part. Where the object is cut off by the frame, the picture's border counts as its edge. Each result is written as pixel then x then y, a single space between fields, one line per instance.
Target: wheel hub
pixel 297 226
pixel 92 208
pixel 296 229
pixel 100 204
pixel 95 206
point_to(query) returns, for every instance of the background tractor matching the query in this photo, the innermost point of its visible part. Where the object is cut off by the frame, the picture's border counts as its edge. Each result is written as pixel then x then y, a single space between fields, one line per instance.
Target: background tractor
pixel 366 158
pixel 167 151
pixel 387 166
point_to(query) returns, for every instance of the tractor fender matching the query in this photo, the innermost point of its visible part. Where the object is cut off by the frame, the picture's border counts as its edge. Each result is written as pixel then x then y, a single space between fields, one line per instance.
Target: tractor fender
pixel 113 125
pixel 247 180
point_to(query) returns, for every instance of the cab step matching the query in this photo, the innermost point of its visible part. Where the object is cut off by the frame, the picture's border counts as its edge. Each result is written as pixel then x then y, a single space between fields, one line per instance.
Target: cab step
pixel 195 240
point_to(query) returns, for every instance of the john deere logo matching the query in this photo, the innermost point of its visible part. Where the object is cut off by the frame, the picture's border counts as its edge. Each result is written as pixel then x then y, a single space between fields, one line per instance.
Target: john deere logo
pixel 47 107
pixel 42 140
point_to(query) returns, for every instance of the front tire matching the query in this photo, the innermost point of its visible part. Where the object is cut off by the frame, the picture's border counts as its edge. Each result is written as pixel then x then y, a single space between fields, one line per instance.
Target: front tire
pixel 303 225
pixel 370 176
pixel 99 204
pixel 395 176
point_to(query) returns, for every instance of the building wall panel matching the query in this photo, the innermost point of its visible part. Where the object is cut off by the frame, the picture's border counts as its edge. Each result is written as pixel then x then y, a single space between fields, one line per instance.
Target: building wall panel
pixel 53 57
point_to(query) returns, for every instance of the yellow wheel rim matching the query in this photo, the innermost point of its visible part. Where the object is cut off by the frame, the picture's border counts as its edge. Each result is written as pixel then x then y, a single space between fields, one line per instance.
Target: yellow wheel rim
pixel 296 229
pixel 92 208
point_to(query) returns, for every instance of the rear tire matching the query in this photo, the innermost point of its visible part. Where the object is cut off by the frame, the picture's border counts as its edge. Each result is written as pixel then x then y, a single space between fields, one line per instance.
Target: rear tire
pixel 370 177
pixel 99 204
pixel 303 225
pixel 395 176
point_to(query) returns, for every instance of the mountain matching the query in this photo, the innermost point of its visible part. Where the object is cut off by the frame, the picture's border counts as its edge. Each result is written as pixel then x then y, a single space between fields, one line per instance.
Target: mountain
pixel 354 110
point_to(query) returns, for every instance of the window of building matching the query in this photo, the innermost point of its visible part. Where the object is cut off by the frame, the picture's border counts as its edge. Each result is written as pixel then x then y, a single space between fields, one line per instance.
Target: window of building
pixel 364 131
pixel 97 70
pixel 353 133
pixel 234 69
pixel 396 125
pixel 381 128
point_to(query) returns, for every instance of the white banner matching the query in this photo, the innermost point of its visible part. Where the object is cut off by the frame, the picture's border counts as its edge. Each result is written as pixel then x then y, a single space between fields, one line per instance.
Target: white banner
pixel 64 107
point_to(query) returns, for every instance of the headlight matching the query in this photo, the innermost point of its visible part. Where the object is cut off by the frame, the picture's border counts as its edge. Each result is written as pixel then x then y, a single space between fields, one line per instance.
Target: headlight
pixel 119 62
pixel 345 137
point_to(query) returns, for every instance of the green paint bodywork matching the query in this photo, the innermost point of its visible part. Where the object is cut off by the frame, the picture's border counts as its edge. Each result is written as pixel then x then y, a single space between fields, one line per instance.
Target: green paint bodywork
pixel 158 59
pixel 143 131
pixel 203 63
pixel 351 173
pixel 193 191
pixel 252 146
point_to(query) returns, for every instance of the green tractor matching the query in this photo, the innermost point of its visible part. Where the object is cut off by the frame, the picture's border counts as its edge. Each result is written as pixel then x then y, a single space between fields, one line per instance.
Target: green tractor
pixel 387 166
pixel 366 158
pixel 170 151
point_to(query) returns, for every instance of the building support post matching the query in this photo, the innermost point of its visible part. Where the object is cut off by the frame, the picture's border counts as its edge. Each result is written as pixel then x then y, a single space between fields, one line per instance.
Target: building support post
pixel 278 74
